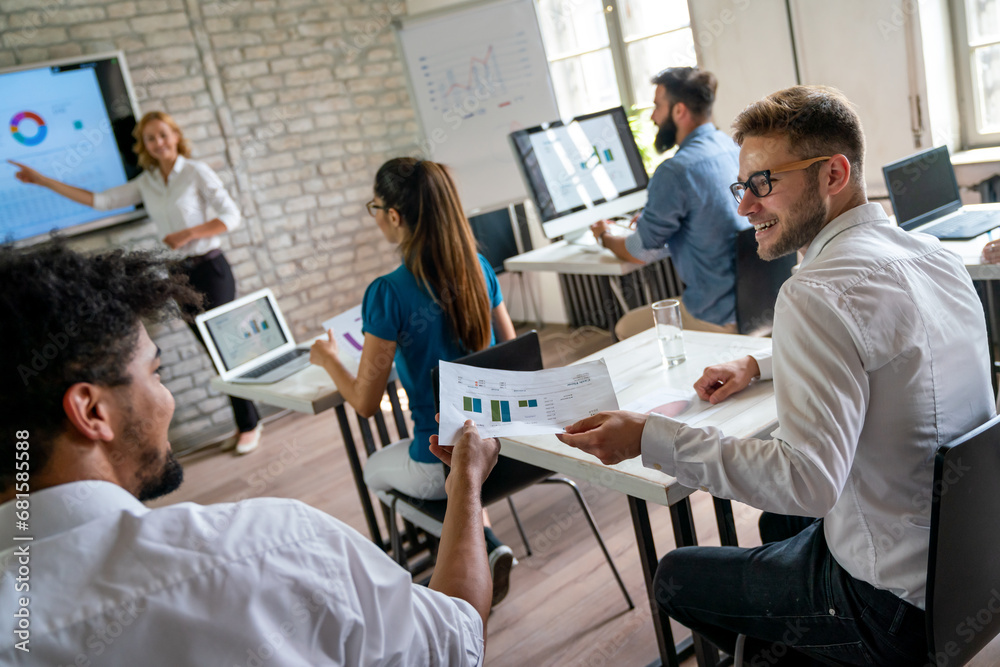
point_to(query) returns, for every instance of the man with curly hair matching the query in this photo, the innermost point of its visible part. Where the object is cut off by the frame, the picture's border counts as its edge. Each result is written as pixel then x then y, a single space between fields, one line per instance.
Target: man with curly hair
pixel 83 441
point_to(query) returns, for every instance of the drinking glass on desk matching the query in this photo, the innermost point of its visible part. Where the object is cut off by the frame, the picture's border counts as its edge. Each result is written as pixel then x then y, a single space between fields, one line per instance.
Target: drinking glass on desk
pixel 669 332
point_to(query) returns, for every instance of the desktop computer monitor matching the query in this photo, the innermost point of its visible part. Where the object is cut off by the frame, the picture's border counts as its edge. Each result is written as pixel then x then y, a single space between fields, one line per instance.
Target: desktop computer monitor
pixel 580 172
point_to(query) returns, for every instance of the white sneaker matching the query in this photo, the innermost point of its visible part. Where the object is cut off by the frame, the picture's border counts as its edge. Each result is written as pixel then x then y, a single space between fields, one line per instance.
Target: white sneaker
pixel 501 560
pixel 250 445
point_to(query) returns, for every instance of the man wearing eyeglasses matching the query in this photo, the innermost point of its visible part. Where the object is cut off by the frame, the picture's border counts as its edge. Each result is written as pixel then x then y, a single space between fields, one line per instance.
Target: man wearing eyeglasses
pixel 688 208
pixel 879 357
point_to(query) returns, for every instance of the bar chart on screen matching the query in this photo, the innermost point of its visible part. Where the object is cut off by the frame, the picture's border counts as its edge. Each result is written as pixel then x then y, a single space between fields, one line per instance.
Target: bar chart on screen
pixel 520 402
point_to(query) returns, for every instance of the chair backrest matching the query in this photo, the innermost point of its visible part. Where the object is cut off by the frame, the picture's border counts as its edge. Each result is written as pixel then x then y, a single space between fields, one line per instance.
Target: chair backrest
pixel 757 285
pixel 634 321
pixel 523 353
pixel 963 566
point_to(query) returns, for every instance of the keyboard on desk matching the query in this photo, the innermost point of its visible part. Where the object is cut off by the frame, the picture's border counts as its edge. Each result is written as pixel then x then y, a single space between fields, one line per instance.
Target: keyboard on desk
pixel 275 363
pixel 965 225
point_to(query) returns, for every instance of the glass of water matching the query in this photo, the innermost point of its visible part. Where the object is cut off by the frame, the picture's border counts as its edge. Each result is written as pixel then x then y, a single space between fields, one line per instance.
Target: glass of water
pixel 669 332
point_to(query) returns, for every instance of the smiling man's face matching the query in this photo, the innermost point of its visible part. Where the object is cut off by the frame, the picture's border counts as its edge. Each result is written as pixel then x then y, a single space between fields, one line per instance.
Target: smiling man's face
pixel 789 218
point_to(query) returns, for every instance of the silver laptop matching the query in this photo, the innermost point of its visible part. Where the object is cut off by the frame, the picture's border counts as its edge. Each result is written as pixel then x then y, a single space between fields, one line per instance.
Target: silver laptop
pixel 923 190
pixel 249 341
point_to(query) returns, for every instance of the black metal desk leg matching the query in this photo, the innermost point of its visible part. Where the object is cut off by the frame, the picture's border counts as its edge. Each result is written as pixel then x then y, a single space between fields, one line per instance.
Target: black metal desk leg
pixel 647 557
pixel 685 536
pixel 359 481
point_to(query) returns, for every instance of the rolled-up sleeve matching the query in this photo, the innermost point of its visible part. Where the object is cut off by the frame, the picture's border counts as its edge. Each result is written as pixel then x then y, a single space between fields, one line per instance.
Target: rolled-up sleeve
pixel 215 194
pixel 126 194
pixel 634 246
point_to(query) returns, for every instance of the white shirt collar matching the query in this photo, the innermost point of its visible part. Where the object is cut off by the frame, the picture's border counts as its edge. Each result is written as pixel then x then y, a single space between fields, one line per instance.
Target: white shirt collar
pixel 858 215
pixel 178 166
pixel 58 509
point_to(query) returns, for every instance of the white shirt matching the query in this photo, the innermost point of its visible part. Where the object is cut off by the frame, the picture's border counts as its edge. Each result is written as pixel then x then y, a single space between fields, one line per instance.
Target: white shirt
pixel 265 582
pixel 193 195
pixel 879 357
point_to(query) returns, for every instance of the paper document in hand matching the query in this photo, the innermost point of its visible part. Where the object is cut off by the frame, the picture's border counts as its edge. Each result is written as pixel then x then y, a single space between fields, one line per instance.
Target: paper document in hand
pixel 684 406
pixel 521 402
pixel 347 331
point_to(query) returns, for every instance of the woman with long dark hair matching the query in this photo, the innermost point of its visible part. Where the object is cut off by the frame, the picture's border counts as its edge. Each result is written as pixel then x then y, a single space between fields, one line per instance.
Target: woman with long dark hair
pixel 443 302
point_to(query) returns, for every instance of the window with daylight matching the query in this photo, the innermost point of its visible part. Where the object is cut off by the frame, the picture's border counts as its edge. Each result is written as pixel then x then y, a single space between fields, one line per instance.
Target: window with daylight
pixel 977 39
pixel 603 54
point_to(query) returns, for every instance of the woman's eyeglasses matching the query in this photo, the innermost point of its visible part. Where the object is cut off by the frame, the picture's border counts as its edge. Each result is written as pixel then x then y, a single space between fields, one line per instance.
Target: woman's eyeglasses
pixel 371 206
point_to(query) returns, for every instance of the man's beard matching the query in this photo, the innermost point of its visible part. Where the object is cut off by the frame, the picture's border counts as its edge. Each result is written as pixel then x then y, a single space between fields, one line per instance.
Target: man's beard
pixel 666 136
pixel 800 226
pixel 162 481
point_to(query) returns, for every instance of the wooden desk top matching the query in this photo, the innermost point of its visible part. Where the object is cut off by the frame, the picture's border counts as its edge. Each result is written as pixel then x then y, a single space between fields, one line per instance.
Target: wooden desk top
pixel 635 366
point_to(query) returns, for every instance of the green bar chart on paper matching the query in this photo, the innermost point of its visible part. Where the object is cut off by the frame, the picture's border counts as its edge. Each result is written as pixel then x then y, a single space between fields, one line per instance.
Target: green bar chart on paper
pixel 521 403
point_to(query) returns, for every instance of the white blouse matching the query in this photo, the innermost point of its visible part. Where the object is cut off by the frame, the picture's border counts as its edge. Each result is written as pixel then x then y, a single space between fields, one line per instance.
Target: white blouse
pixel 183 202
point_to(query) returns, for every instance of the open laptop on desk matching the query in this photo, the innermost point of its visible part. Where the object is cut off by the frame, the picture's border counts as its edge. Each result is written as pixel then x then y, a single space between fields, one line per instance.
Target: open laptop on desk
pixel 925 198
pixel 249 341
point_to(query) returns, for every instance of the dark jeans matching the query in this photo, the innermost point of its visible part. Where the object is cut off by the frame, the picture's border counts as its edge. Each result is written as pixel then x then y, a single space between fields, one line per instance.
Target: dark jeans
pixel 796 605
pixel 214 278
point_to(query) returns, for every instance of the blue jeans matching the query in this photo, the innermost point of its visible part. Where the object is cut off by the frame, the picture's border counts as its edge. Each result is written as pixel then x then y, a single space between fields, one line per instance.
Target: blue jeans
pixel 796 605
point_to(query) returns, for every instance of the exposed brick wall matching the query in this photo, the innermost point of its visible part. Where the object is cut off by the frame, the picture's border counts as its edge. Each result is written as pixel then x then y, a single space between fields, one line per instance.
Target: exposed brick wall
pixel 294 102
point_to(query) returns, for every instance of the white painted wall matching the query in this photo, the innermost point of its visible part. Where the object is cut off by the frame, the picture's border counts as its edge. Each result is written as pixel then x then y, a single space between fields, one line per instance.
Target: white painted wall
pixel 746 44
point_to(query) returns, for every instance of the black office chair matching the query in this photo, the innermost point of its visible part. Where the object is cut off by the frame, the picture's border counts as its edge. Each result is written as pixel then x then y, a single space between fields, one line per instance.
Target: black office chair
pixel 509 476
pixel 963 568
pixel 757 285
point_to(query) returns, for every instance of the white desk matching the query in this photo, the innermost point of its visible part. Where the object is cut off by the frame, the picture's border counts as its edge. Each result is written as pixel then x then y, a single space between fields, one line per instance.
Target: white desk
pixel 636 368
pixel 971 254
pixel 312 391
pixel 571 258
pixel 574 259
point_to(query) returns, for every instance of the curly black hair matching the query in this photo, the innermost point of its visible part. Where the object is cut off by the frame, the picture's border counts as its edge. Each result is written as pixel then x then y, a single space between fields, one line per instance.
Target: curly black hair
pixel 67 318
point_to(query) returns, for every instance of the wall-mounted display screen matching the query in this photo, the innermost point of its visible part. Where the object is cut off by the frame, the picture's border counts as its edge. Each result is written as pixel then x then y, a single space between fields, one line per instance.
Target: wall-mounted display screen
pixel 71 120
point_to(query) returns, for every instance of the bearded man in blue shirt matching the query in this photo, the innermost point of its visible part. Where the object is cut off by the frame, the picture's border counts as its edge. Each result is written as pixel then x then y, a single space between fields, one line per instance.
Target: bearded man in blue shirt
pixel 689 215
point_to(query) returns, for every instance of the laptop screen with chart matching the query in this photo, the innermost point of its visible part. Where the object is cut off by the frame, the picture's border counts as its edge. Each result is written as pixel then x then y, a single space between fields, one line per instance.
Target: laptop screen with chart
pixel 250 335
pixel 71 120
pixel 583 171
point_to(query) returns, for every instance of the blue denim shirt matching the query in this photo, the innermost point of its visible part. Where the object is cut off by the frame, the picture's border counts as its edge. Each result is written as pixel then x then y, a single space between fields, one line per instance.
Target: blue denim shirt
pixel 691 209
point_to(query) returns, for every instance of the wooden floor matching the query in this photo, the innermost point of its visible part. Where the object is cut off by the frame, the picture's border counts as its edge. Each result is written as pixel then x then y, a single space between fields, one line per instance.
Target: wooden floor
pixel 564 607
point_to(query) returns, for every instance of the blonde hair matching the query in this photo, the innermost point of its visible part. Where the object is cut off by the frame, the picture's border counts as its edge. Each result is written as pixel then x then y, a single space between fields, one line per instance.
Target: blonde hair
pixel 438 246
pixel 147 161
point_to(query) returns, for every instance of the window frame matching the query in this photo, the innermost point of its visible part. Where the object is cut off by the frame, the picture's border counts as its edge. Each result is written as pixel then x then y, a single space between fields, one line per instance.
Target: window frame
pixel 618 48
pixel 967 88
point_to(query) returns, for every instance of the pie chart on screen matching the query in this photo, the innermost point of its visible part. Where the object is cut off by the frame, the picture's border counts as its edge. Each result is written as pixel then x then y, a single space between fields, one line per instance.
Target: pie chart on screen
pixel 671 409
pixel 28 128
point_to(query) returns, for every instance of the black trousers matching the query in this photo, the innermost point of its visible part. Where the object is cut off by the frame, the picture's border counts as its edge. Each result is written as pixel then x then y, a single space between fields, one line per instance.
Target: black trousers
pixel 794 602
pixel 213 277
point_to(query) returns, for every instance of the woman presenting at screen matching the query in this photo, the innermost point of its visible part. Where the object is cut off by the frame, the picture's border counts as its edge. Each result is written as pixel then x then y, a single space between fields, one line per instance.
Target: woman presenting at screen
pixel 443 302
pixel 177 194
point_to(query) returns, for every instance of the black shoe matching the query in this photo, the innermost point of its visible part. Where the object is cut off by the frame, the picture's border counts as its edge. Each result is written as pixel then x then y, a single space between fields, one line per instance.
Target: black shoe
pixel 501 560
